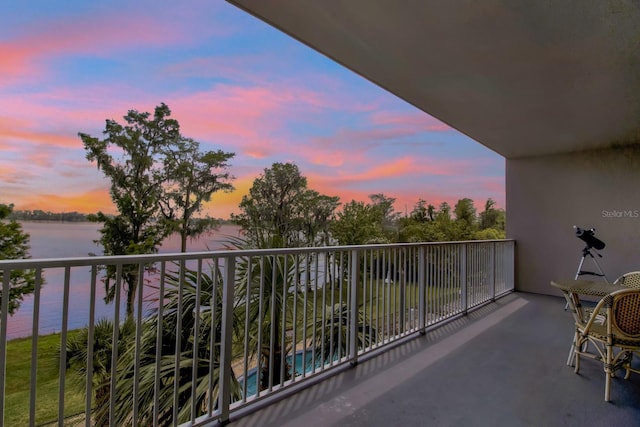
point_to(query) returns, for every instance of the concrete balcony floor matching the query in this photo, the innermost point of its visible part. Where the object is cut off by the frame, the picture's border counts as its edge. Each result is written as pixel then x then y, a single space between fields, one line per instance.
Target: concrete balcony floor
pixel 501 365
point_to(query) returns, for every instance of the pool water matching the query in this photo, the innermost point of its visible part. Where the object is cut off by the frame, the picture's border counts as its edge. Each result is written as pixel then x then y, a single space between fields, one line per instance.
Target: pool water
pixel 252 374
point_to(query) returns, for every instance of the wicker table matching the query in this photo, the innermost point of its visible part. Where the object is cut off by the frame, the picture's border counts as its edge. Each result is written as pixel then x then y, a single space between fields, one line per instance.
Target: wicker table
pixel 572 289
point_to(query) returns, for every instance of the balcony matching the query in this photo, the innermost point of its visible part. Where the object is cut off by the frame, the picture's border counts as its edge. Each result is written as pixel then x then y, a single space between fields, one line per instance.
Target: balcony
pixel 500 365
pixel 359 334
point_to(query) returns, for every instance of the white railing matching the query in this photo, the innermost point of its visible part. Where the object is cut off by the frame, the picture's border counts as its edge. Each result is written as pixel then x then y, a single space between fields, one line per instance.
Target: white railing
pixel 214 332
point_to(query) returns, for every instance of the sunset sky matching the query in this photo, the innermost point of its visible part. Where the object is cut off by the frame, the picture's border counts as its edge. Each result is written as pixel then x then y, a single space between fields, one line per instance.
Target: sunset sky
pixel 234 83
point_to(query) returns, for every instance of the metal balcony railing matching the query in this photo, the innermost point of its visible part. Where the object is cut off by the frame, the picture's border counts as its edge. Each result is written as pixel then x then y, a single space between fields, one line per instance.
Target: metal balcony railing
pixel 206 334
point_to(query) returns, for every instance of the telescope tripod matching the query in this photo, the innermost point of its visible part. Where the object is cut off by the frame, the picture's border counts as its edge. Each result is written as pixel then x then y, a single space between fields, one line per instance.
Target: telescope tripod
pixel 586 252
pixel 580 272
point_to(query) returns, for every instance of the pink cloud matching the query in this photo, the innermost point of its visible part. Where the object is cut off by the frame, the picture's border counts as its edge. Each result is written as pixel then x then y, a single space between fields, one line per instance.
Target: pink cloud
pixel 252 119
pixel 401 167
pixel 228 110
pixel 98 34
pixel 10 174
pixel 15 63
pixel 333 159
pixel 51 119
pixel 313 89
pixel 494 186
pixel 256 113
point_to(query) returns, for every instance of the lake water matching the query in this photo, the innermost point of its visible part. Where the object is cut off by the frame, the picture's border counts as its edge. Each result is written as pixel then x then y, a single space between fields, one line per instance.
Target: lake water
pixel 75 239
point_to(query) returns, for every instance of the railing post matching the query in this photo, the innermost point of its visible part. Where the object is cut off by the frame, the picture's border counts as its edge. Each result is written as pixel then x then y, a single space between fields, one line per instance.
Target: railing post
pixel 422 289
pixel 353 315
pixel 512 264
pixel 492 270
pixel 115 339
pixel 463 279
pixel 6 274
pixel 178 345
pixel 400 274
pixel 34 351
pixel 224 397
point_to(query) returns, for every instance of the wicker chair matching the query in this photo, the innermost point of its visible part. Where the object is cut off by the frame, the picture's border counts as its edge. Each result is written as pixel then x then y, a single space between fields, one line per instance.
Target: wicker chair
pixel 628 280
pixel 616 340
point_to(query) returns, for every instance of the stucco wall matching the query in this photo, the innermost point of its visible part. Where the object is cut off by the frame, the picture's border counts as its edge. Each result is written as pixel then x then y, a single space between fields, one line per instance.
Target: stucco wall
pixel 547 196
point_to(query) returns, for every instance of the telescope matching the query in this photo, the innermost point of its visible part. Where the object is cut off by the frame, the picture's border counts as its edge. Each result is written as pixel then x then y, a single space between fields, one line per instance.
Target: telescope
pixel 588 236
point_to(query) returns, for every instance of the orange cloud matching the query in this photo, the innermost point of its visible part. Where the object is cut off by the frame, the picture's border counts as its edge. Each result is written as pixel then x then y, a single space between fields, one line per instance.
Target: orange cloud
pixel 87 202
pixel 401 167
pixel 37 137
pixel 9 174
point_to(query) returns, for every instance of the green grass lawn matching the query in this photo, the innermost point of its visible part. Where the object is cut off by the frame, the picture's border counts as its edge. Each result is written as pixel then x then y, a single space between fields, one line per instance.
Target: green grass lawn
pixel 379 292
pixel 376 298
pixel 18 379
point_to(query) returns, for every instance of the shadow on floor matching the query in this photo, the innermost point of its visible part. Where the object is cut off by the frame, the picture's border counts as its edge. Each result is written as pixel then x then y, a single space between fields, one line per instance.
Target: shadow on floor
pixel 502 365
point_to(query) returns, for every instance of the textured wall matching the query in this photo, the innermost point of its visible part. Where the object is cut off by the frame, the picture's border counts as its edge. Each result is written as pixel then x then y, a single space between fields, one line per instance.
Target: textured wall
pixel 547 195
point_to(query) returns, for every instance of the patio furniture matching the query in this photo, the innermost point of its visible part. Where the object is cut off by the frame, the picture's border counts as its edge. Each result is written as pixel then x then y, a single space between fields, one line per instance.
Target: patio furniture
pixel 628 280
pixel 572 289
pixel 616 340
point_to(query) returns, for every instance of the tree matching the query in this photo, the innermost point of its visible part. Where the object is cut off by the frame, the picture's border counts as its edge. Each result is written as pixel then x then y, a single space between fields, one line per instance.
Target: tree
pixel 333 344
pixel 465 220
pixel 191 330
pixel 357 224
pixel 383 207
pixel 492 217
pixel 465 211
pixel 77 355
pixel 362 223
pixel 159 181
pixel 187 313
pixel 281 210
pixel 136 188
pixel 14 244
pixel 316 213
pixel 492 222
pixel 421 213
pixel 264 291
pixel 192 177
pixel 444 212
pixel 426 224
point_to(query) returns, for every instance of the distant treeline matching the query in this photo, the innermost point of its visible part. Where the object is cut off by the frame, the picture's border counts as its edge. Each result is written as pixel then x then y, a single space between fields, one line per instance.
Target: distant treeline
pixel 39 215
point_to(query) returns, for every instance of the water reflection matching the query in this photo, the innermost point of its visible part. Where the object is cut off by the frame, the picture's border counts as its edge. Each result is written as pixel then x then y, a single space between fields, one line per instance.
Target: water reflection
pixel 62 240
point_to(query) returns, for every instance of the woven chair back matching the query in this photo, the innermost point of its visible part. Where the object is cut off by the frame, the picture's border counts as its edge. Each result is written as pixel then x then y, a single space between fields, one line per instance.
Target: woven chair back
pixel 626 314
pixel 630 280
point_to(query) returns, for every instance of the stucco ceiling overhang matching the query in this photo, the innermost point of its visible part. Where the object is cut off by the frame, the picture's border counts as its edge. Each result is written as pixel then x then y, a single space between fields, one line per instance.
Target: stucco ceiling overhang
pixel 524 78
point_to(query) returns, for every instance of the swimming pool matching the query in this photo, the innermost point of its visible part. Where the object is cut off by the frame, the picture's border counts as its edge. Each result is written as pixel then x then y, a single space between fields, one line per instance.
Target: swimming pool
pixel 252 374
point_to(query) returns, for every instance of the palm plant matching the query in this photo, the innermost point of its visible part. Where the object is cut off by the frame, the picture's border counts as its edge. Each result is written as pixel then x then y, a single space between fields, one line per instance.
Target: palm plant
pixel 181 374
pixel 333 341
pixel 269 292
pixel 77 354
